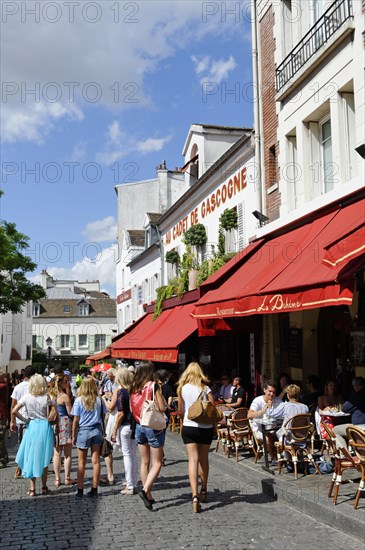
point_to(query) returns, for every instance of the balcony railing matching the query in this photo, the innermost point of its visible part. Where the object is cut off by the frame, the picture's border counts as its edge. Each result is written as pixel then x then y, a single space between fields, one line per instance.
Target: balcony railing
pixel 319 34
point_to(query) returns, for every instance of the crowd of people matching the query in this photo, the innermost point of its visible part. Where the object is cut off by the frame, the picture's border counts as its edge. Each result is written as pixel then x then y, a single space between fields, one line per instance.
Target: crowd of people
pixel 54 413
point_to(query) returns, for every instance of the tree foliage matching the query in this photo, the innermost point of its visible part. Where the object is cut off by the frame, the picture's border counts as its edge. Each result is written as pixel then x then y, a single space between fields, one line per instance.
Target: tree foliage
pixel 15 289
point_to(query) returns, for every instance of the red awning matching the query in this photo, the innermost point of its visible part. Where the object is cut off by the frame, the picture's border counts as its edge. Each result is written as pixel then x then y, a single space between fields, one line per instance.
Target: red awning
pixel 157 340
pixel 98 356
pixel 289 272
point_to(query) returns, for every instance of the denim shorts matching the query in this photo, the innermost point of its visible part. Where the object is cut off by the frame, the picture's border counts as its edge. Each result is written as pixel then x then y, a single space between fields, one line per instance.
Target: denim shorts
pixel 147 436
pixel 89 435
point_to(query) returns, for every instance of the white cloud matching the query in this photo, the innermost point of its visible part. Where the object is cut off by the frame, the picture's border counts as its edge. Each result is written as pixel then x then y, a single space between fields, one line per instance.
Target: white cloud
pixel 91 64
pixel 120 144
pixel 151 145
pixel 102 267
pixel 101 230
pixel 213 70
pixel 34 123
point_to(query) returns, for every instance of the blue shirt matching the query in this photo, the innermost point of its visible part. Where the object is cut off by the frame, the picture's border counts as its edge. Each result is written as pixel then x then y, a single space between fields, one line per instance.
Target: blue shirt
pixel 88 418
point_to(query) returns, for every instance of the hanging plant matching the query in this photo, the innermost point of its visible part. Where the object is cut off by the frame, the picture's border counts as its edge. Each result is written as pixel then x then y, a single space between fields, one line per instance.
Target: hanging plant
pixel 195 235
pixel 229 219
pixel 172 257
pixel 163 293
pixel 203 272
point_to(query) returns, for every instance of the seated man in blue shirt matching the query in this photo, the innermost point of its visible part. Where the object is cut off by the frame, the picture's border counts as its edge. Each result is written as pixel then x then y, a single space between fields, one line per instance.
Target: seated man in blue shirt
pixel 355 405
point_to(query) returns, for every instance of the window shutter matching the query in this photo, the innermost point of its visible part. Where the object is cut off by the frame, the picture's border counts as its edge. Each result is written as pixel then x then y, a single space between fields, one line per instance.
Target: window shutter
pixel 108 340
pixel 58 342
pixel 72 342
pixel 39 342
pixel 91 343
pixel 241 225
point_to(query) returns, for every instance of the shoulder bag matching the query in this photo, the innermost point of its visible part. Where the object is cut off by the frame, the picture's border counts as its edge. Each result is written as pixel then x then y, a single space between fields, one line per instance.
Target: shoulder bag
pixel 106 448
pixel 151 417
pixel 204 412
pixel 52 412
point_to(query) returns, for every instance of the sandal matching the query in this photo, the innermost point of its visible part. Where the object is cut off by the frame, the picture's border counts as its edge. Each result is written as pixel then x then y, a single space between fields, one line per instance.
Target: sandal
pixel 106 482
pixel 31 493
pixel 57 483
pixel 45 490
pixel 203 495
pixel 196 505
pixel 69 481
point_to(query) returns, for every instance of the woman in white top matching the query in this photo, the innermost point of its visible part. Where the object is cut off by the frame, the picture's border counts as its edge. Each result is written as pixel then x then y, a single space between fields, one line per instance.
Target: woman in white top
pixel 197 437
pixel 36 449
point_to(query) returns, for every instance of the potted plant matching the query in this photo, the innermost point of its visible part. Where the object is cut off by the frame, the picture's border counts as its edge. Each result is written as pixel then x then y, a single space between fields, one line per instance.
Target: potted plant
pixel 194 238
pixel 172 257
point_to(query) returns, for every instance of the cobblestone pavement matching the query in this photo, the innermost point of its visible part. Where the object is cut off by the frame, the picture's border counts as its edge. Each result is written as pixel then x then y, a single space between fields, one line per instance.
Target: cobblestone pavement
pixel 235 516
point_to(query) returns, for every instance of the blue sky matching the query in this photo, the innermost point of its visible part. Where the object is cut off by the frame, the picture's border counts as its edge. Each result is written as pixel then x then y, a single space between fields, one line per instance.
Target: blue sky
pixel 116 87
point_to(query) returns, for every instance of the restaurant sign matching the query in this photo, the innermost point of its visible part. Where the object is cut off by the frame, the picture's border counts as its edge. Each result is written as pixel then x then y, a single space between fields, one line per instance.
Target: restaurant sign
pixel 230 188
pixel 124 296
pixel 160 355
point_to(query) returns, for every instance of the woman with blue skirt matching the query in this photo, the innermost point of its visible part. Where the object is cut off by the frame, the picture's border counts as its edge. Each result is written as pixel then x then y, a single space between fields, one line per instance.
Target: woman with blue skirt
pixel 36 449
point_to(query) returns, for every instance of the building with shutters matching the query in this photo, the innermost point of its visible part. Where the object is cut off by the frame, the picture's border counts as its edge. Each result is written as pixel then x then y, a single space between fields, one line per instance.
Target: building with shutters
pixel 74 321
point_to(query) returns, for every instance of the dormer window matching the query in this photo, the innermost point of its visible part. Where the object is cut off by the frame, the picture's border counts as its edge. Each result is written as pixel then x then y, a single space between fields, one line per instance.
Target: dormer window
pixel 83 309
pixel 36 310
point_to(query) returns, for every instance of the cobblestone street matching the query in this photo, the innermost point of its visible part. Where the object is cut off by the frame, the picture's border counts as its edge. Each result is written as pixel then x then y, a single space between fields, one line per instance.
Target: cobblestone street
pixel 236 515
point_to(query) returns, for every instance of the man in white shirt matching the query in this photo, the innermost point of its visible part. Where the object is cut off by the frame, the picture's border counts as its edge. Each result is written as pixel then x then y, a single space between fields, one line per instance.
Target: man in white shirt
pixel 264 404
pixel 18 392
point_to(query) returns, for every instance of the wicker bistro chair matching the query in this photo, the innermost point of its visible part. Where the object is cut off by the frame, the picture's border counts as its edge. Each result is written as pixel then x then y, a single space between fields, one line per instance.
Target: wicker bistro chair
pixel 240 434
pixel 223 428
pixel 258 446
pixel 357 440
pixel 342 461
pixel 296 442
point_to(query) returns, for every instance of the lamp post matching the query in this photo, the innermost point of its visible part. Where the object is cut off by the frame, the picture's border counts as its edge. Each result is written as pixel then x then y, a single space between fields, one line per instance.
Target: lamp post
pixel 49 351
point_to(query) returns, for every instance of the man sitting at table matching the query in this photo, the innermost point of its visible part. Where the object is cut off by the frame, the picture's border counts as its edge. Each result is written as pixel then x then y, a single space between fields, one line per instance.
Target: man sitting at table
pixel 355 405
pixel 238 397
pixel 226 387
pixel 266 403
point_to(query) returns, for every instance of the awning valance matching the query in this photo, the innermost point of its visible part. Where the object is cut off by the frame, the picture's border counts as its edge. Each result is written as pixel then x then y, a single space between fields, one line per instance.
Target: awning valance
pixel 291 272
pixel 157 340
pixel 98 356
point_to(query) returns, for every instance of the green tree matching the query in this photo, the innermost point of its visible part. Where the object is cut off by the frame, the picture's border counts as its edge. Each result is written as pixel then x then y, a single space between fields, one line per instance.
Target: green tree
pixel 15 289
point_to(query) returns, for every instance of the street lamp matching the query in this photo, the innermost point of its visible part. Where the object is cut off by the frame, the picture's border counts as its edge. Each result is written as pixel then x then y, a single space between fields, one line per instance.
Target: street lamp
pixel 49 351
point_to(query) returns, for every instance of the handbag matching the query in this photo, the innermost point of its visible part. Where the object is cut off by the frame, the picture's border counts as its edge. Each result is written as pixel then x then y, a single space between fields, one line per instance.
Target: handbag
pixel 204 412
pixel 52 415
pixel 106 448
pixel 151 417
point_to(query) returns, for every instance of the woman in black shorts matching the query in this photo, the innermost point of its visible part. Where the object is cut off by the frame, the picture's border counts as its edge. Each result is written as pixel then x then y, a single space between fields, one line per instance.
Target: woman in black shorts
pixel 197 437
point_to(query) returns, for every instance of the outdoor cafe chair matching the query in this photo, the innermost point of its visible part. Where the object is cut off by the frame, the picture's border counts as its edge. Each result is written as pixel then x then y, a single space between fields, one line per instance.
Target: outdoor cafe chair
pixel 357 440
pixel 223 427
pixel 295 442
pixel 240 434
pixel 258 446
pixel 342 461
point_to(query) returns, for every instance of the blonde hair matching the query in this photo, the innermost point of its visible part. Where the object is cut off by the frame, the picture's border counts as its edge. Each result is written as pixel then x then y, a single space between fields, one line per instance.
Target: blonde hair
pixel 194 375
pixel 293 391
pixel 37 385
pixel 55 389
pixel 88 392
pixel 124 378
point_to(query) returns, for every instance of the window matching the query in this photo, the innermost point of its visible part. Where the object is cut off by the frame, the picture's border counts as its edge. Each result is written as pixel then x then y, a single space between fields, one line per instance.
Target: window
pixel 323 170
pixel 83 309
pixel 34 341
pixel 349 131
pixel 287 27
pixel 83 341
pixel 100 342
pixel 66 309
pixel 65 340
pixel 326 146
pixel 292 172
pixel 28 353
pixel 36 310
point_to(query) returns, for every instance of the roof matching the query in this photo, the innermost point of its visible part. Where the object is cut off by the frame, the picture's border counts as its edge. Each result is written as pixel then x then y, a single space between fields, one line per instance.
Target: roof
pixel 99 307
pixel 153 217
pixel 136 237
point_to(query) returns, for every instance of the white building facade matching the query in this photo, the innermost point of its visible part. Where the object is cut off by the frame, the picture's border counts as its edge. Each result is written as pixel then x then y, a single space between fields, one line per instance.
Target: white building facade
pixel 16 339
pixel 74 321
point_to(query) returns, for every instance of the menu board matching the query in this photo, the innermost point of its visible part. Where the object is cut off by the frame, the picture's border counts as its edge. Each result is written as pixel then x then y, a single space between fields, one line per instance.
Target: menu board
pixel 295 352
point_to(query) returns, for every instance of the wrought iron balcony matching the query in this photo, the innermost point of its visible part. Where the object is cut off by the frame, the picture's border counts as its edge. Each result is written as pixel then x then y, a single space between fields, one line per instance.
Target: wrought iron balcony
pixel 333 18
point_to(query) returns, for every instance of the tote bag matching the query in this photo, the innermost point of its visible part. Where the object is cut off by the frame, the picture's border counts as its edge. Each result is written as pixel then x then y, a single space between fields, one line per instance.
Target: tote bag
pixel 204 412
pixel 151 417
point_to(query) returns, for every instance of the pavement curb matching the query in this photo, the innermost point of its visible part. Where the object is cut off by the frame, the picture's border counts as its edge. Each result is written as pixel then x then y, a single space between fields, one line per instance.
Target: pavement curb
pixel 312 501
